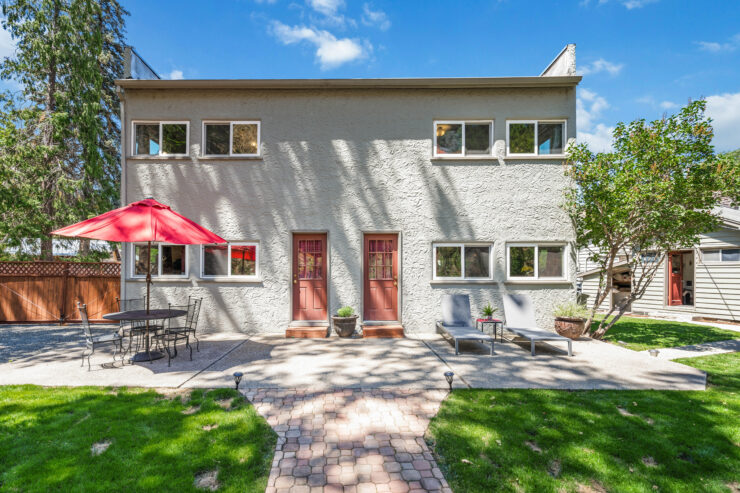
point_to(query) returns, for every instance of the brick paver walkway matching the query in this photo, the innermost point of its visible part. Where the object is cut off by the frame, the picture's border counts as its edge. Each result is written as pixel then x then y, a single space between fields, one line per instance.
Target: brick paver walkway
pixel 352 440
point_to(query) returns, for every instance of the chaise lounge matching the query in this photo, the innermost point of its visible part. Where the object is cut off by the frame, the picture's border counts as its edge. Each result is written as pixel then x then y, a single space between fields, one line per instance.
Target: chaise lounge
pixel 456 321
pixel 520 320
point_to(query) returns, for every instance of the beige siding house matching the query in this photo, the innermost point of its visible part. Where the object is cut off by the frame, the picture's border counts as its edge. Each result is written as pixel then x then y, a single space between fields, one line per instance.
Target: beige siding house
pixel 380 194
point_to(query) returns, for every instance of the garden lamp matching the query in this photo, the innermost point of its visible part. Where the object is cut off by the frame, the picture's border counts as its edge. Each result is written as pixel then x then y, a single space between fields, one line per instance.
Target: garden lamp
pixel 238 378
pixel 449 376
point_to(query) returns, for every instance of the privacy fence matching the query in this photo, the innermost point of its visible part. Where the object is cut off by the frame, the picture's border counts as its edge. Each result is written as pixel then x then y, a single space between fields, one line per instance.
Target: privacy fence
pixel 48 291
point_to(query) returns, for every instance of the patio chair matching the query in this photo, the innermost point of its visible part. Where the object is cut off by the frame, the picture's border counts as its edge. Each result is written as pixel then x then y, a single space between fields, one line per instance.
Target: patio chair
pixel 132 329
pixel 91 341
pixel 168 340
pixel 519 315
pixel 457 322
pixel 190 324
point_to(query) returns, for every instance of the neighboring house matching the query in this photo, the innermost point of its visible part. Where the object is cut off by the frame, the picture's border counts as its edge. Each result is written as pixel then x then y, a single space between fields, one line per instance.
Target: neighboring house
pixel 699 282
pixel 381 194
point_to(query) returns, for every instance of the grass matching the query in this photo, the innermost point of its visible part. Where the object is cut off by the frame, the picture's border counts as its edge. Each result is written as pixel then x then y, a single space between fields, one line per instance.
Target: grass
pixel 640 334
pixel 626 441
pixel 157 442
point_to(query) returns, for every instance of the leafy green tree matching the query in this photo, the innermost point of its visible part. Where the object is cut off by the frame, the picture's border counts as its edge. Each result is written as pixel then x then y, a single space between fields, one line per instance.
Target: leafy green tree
pixel 60 134
pixel 655 192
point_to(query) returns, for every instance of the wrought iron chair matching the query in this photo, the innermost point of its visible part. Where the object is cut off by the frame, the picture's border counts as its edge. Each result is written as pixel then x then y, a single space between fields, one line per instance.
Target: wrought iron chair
pixel 92 341
pixel 189 326
pixel 132 329
pixel 177 331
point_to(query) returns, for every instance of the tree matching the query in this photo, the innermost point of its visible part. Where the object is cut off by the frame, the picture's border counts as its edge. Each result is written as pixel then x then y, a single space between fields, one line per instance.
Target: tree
pixel 60 137
pixel 653 193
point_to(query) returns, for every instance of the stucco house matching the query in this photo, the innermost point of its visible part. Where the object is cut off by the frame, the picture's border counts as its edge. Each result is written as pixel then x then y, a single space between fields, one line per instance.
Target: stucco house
pixel 381 194
pixel 698 283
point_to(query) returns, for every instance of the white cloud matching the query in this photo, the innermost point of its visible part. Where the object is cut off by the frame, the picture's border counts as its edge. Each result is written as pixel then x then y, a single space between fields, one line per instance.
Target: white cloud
pixel 668 105
pixel 7 45
pixel 329 9
pixel 330 51
pixel 724 110
pixel 714 47
pixel 375 18
pixel 176 75
pixel 589 107
pixel 599 139
pixel 601 65
pixel 629 4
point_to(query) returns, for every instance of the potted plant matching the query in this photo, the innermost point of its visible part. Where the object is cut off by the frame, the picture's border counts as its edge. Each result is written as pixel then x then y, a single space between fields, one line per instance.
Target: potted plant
pixel 570 319
pixel 488 311
pixel 345 321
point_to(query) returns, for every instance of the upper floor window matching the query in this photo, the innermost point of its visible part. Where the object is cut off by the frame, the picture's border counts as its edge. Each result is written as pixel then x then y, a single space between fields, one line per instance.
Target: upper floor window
pixel 722 255
pixel 231 260
pixel 460 261
pixel 231 138
pixel 463 138
pixel 531 261
pixel 165 260
pixel 161 138
pixel 535 137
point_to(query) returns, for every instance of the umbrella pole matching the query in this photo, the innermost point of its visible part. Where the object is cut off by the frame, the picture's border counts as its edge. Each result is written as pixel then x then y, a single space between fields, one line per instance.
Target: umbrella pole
pixel 148 286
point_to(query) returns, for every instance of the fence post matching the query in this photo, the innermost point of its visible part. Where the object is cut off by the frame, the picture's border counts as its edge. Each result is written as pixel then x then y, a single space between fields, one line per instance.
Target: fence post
pixel 65 282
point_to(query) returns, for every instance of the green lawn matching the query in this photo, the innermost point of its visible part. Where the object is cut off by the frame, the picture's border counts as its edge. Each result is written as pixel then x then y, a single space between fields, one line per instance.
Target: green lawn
pixel 621 441
pixel 640 334
pixel 156 442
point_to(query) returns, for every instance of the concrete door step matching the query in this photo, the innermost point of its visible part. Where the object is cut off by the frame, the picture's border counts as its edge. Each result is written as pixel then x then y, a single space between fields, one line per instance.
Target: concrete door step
pixel 382 331
pixel 313 332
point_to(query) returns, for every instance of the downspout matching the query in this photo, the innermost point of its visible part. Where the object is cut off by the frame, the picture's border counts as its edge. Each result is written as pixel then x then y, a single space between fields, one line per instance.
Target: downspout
pixel 124 201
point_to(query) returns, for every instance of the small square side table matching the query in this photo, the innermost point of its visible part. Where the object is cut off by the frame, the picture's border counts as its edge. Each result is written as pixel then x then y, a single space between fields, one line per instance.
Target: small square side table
pixel 481 323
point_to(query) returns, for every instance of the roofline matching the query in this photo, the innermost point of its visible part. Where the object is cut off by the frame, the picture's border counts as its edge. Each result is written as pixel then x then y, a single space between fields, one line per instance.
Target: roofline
pixel 430 83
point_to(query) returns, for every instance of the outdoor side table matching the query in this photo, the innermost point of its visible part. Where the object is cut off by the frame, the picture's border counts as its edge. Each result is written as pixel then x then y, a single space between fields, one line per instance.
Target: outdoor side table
pixel 142 315
pixel 481 323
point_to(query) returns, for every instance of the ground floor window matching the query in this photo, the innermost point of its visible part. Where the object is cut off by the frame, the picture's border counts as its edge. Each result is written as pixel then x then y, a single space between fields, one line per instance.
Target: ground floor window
pixel 165 260
pixel 722 255
pixel 535 261
pixel 231 260
pixel 460 261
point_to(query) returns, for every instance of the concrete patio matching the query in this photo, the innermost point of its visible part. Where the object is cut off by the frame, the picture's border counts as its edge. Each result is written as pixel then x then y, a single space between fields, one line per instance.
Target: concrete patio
pixel 50 355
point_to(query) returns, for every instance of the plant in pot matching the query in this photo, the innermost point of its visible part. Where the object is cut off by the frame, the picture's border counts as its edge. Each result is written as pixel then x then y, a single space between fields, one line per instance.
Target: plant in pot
pixel 345 321
pixel 570 319
pixel 488 311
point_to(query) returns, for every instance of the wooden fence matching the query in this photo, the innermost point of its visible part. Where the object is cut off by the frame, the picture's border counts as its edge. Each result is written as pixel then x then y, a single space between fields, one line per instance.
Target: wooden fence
pixel 49 291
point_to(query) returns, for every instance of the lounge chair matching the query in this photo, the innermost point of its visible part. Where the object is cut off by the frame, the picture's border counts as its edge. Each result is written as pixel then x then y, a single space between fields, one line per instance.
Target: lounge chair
pixel 519 314
pixel 457 323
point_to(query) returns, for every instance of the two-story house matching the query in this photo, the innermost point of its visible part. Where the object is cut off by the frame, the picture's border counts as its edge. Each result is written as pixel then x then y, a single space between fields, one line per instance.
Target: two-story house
pixel 381 194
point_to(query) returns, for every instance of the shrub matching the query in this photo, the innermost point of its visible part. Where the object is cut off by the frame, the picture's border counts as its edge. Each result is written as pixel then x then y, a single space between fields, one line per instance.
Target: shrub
pixel 571 309
pixel 345 311
pixel 488 310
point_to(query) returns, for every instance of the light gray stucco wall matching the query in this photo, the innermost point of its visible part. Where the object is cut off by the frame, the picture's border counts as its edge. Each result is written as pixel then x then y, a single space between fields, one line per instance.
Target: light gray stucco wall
pixel 348 162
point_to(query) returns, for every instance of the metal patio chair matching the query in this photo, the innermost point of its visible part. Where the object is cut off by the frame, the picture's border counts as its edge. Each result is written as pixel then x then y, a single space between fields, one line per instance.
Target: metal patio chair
pixel 91 341
pixel 132 329
pixel 190 324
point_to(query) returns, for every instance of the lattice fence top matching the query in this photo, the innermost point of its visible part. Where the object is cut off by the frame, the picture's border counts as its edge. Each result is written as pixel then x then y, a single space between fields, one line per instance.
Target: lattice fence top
pixel 56 268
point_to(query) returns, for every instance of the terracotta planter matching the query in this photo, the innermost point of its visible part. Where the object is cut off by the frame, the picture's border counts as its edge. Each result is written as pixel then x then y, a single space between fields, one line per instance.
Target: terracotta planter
pixel 344 326
pixel 572 328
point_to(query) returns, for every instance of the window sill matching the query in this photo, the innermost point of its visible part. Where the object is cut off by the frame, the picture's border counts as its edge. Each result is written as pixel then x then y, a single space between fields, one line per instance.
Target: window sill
pixel 158 279
pixel 188 157
pixel 440 282
pixel 465 158
pixel 538 281
pixel 228 158
pixel 170 157
pixel 551 157
pixel 232 280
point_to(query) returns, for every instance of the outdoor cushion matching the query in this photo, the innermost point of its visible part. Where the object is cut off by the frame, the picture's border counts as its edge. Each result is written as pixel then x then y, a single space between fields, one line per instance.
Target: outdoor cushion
pixel 456 310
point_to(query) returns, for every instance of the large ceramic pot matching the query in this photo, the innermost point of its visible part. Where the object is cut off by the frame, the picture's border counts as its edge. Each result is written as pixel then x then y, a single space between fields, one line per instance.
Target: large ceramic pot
pixel 344 326
pixel 569 327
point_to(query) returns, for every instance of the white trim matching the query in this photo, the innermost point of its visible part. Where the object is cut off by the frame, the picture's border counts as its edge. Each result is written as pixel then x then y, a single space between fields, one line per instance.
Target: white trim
pixel 720 261
pixel 536 152
pixel 158 274
pixel 462 246
pixel 463 150
pixel 536 246
pixel 229 275
pixel 160 123
pixel 231 124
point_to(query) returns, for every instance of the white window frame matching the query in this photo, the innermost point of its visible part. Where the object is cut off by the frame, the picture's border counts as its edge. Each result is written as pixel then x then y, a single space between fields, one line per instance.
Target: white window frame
pixel 160 123
pixel 536 138
pixel 720 261
pixel 462 245
pixel 536 246
pixel 231 124
pixel 464 153
pixel 256 275
pixel 158 274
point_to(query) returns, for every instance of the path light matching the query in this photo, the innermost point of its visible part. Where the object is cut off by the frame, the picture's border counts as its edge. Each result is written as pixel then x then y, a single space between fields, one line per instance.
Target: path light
pixel 449 376
pixel 653 352
pixel 238 378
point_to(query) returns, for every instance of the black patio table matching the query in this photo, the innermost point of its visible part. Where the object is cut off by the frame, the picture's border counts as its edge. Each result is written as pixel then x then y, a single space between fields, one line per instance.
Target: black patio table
pixel 144 315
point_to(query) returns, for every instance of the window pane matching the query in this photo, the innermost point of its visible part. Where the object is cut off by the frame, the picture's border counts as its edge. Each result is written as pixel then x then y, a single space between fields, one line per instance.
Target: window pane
pixel 550 138
pixel 140 260
pixel 174 138
pixel 521 138
pixel 476 261
pixel 521 261
pixel 711 255
pixel 245 139
pixel 449 138
pixel 478 138
pixel 449 262
pixel 173 260
pixel 217 140
pixel 216 260
pixel 550 261
pixel 243 260
pixel 731 255
pixel 147 139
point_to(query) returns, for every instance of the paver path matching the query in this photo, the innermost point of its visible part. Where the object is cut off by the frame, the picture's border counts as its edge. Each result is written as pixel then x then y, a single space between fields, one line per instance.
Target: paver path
pixel 704 349
pixel 352 440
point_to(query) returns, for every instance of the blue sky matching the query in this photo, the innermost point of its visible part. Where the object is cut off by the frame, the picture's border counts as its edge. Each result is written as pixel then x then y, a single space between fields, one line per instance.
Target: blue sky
pixel 639 58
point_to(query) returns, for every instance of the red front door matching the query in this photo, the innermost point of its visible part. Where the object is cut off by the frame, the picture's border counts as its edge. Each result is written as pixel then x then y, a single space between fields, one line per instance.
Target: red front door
pixel 309 276
pixel 675 278
pixel 380 260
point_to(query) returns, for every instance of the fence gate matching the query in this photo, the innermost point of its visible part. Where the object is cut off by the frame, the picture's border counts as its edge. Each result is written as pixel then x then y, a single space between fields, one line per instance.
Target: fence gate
pixel 48 291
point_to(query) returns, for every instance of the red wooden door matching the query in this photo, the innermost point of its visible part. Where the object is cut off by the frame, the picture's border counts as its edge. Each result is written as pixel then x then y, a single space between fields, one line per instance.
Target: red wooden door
pixel 675 279
pixel 380 260
pixel 309 277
